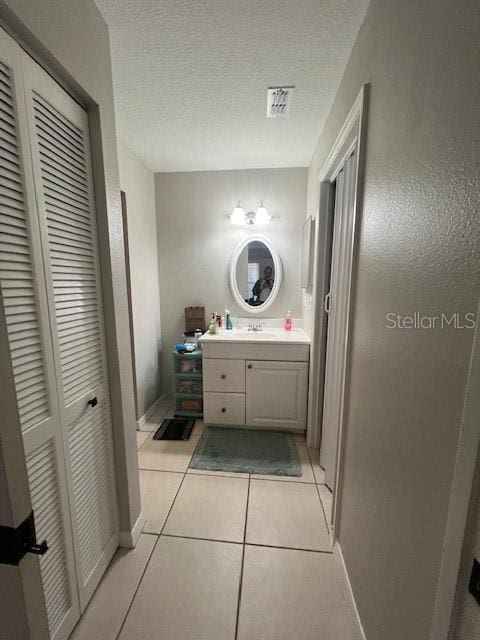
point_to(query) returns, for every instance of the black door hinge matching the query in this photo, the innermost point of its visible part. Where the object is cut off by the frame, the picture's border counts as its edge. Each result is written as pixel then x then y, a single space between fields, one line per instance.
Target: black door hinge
pixel 16 542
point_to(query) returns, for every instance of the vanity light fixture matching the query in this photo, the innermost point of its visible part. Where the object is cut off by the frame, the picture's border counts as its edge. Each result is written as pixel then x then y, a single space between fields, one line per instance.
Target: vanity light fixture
pixel 262 216
pixel 259 218
pixel 238 215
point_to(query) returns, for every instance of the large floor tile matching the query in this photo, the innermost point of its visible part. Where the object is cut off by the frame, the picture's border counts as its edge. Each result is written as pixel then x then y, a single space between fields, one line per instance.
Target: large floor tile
pixel 307 473
pixel 167 455
pixel 284 514
pixel 158 489
pixel 142 436
pixel 189 592
pixel 108 607
pixel 318 472
pixel 290 595
pixel 209 507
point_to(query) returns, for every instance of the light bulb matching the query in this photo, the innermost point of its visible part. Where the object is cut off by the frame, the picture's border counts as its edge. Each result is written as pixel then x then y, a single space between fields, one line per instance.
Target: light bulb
pixel 238 215
pixel 262 215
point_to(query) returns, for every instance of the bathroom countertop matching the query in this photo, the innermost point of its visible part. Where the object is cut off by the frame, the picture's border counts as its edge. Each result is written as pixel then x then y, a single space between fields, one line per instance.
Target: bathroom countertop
pixel 266 336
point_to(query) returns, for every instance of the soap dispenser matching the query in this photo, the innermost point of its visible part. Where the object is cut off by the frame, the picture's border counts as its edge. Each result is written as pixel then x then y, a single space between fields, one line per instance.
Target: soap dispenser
pixel 287 325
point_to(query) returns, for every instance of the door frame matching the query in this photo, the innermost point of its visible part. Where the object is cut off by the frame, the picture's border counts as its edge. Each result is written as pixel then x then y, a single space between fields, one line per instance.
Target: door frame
pixel 351 137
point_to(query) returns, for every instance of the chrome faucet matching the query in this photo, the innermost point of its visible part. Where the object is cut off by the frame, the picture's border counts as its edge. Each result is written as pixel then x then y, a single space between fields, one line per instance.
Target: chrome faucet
pixel 255 326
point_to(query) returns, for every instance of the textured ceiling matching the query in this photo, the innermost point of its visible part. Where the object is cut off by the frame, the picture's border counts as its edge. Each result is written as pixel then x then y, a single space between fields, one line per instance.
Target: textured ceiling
pixel 191 77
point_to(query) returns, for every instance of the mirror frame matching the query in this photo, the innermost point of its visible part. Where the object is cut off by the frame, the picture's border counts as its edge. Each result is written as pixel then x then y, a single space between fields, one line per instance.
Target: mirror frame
pixel 277 265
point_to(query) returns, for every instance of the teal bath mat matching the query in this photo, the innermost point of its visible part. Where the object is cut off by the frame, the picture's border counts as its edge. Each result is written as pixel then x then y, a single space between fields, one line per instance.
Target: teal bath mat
pixel 271 453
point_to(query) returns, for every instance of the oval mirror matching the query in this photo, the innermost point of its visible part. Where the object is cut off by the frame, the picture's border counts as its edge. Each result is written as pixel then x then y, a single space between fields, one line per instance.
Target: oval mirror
pixel 255 274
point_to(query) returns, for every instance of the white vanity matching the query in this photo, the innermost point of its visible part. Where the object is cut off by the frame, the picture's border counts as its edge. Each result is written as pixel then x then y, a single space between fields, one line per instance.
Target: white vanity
pixel 256 378
pixel 256 375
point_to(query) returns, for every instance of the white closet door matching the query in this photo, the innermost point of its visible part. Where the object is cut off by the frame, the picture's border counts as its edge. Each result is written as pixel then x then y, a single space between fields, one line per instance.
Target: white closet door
pixel 63 181
pixel 337 321
pixel 25 305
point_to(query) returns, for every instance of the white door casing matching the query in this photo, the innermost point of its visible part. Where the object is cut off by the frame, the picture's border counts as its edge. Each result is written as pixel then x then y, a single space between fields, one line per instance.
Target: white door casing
pixel 338 320
pixel 350 143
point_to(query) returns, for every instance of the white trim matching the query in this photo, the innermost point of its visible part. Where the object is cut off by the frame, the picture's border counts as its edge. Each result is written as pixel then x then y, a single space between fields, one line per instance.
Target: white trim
pixel 350 137
pixel 141 422
pixel 129 539
pixel 335 159
pixel 277 264
pixel 355 621
pixel 460 494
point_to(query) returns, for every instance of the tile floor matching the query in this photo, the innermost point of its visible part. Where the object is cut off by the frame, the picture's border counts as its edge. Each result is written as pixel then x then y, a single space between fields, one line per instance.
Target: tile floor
pixel 222 556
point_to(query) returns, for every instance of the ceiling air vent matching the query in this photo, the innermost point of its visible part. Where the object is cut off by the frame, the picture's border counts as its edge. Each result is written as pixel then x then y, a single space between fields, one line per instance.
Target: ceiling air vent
pixel 279 101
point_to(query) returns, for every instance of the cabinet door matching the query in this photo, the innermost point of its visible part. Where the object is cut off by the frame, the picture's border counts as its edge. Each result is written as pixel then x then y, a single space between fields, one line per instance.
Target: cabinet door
pixel 276 394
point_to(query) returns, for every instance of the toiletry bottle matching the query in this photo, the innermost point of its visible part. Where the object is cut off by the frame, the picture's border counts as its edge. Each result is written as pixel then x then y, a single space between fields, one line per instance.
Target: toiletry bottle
pixel 228 319
pixel 212 327
pixel 219 320
pixel 287 325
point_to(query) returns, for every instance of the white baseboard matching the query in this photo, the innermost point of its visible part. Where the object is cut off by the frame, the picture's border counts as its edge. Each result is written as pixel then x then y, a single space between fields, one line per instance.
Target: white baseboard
pixel 357 627
pixel 129 539
pixel 141 422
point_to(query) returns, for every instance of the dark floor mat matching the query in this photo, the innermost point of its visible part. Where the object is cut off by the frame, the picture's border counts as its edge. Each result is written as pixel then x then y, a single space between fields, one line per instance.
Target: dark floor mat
pixel 174 429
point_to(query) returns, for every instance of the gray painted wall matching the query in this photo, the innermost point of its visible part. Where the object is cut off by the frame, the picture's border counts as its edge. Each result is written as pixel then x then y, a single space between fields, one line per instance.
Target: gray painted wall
pixel 137 181
pixel 196 240
pixel 72 38
pixel 418 251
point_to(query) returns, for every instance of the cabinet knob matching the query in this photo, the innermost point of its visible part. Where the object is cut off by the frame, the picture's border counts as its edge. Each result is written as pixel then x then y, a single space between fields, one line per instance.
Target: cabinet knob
pixel 250 366
pixel 223 410
pixel 223 376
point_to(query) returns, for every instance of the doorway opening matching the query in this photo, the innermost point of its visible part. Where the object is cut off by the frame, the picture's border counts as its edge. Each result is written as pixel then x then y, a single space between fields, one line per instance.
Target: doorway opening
pixel 340 197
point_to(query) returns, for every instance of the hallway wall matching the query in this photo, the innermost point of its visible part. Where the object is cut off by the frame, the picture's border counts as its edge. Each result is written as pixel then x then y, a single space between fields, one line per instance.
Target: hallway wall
pixel 418 251
pixel 137 180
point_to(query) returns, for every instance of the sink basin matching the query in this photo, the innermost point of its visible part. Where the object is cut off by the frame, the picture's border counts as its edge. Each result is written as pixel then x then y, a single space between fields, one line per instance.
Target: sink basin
pixel 255 335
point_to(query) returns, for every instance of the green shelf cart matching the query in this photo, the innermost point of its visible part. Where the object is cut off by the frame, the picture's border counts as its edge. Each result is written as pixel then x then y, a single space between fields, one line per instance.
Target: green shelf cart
pixel 188 391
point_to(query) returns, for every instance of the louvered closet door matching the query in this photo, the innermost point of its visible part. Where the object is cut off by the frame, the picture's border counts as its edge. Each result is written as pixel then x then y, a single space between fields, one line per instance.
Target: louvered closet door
pixel 24 299
pixel 63 181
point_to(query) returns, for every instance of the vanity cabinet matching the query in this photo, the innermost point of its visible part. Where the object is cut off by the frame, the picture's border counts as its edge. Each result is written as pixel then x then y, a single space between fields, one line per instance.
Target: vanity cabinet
pixel 266 393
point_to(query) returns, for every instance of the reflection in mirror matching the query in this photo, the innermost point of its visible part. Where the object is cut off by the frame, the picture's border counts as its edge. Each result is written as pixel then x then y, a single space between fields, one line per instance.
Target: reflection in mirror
pixel 255 273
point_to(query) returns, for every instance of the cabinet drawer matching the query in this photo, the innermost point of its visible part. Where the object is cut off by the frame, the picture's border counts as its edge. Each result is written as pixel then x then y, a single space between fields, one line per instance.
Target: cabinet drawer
pixel 224 375
pixel 224 408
